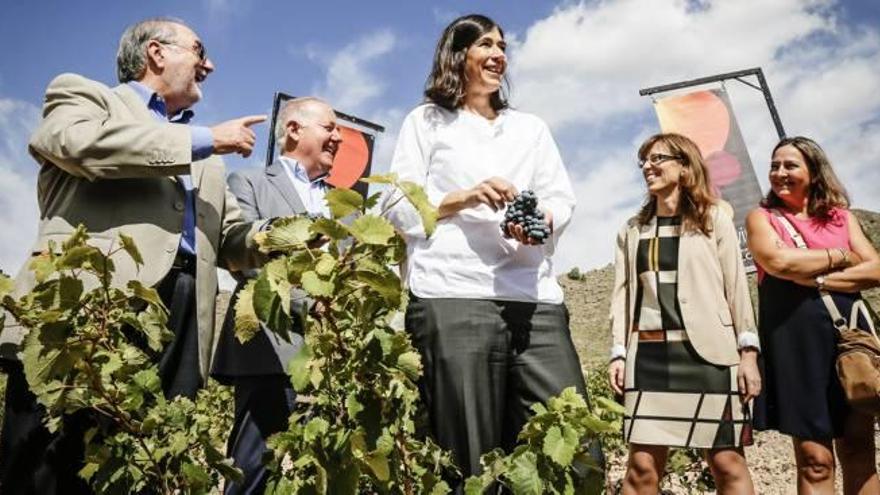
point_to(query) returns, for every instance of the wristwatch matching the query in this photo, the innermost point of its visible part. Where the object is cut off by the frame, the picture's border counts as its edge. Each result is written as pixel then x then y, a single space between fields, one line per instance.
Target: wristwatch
pixel 820 282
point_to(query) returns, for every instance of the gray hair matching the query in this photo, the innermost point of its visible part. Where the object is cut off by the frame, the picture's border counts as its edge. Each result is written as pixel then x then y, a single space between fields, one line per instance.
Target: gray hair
pixel 131 57
pixel 296 109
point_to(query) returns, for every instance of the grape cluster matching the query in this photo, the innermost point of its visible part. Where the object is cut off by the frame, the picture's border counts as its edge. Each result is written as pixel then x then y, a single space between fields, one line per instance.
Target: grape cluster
pixel 523 211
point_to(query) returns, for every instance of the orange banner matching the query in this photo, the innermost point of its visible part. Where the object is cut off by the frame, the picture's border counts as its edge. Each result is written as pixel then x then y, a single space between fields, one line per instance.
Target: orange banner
pixel 707 118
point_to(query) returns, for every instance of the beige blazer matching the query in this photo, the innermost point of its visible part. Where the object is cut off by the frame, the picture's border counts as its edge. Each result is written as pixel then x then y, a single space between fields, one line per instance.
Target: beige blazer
pixel 107 163
pixel 712 290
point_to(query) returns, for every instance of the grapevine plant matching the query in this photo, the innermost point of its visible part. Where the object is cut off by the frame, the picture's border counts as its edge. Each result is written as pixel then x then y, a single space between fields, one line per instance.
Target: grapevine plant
pixel 355 428
pixel 92 347
pixel 91 350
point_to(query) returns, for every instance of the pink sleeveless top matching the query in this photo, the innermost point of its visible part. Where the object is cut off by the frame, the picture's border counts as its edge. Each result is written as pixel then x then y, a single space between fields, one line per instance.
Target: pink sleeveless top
pixel 833 233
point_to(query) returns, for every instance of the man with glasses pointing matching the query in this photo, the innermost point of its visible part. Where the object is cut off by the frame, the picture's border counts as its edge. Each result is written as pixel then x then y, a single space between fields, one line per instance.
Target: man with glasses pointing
pixel 127 160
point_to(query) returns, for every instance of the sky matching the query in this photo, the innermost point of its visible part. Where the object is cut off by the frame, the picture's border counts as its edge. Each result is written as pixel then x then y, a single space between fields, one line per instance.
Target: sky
pixel 577 65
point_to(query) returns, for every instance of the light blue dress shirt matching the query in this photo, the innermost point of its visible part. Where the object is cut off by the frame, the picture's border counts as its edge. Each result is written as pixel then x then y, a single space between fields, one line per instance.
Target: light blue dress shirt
pixel 311 191
pixel 202 147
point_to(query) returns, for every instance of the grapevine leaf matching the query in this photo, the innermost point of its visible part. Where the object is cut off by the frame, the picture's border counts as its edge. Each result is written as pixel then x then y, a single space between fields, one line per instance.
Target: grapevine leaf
pixel 474 486
pixel 325 265
pixel 389 178
pixel 315 429
pixel 416 195
pixel 378 463
pixel 372 201
pixel 344 202
pixel 411 364
pixel 523 475
pixel 331 228
pixel 7 285
pixel 560 444
pixel 144 293
pixel 610 405
pixel 285 234
pixel 42 265
pixel 567 398
pixel 372 230
pixel 77 238
pixel 246 322
pixel 129 246
pixel 315 285
pixel 272 297
pixel 353 405
pixel 298 368
pixel 383 281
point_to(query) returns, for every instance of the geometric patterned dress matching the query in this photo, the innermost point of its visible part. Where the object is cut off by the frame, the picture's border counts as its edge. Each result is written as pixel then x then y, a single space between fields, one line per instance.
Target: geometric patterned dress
pixel 672 396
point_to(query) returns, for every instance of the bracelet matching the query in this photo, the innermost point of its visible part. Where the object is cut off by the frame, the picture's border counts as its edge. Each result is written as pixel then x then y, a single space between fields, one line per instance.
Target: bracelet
pixel 845 254
pixel 830 261
pixel 820 282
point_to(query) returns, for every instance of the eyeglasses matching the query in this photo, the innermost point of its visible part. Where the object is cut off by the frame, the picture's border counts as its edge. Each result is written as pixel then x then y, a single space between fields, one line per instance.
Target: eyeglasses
pixel 656 159
pixel 199 51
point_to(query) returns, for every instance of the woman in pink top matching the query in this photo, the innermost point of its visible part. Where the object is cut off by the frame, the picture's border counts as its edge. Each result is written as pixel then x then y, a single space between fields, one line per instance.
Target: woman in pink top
pixel 802 396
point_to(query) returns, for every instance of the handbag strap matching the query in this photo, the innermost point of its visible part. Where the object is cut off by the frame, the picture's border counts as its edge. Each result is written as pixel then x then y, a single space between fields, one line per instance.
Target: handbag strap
pixel 836 318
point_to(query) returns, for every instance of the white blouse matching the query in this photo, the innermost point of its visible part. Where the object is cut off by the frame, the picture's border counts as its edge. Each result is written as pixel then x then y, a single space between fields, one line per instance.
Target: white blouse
pixel 467 256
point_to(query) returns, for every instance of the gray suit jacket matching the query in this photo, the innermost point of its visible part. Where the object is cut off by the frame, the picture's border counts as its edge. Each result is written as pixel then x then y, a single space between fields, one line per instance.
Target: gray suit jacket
pixel 105 162
pixel 262 194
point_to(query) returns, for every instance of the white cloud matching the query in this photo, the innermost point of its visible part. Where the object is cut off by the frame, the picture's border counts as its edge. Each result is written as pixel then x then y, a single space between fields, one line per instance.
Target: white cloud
pixel 18 199
pixel 581 68
pixel 350 82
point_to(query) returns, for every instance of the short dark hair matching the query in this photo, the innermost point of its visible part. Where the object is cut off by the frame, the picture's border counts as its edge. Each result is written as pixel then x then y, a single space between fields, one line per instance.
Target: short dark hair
pixel 826 191
pixel 446 83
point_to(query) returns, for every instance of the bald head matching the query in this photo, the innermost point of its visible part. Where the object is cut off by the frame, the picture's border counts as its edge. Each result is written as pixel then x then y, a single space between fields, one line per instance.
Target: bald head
pixel 303 110
pixel 306 131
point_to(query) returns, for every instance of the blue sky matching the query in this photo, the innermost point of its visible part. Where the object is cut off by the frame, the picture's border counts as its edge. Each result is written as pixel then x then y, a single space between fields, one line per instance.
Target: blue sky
pixel 578 65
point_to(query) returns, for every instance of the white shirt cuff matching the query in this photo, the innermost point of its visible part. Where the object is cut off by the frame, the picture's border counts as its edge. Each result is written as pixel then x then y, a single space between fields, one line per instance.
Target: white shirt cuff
pixel 617 351
pixel 748 339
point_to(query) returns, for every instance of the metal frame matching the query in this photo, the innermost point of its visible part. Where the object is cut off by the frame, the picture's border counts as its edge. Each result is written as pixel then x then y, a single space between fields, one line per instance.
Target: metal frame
pixel 276 105
pixel 737 75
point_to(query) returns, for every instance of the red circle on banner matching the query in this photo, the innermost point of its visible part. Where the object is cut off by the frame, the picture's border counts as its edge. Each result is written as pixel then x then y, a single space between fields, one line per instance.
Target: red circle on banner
pixel 351 159
pixel 724 168
pixel 701 116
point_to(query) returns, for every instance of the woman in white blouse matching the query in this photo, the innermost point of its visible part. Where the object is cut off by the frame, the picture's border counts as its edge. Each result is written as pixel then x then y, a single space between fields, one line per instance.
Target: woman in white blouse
pixel 485 311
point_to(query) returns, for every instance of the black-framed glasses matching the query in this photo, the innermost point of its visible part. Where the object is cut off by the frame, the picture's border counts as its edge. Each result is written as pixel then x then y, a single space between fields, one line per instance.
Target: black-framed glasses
pixel 656 159
pixel 199 50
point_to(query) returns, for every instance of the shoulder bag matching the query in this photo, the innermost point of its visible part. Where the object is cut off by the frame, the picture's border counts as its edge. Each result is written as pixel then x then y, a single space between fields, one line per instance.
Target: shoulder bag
pixel 858 350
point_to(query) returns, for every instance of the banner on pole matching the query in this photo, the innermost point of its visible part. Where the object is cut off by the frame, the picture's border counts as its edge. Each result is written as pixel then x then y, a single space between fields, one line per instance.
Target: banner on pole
pixel 707 118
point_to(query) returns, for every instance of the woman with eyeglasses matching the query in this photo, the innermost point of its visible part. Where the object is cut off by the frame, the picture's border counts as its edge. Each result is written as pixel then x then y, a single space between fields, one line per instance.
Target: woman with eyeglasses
pixel 485 310
pixel 803 397
pixel 684 342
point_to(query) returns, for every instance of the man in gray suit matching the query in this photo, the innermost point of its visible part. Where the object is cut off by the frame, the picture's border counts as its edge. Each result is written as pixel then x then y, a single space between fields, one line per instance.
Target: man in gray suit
pixel 126 160
pixel 308 139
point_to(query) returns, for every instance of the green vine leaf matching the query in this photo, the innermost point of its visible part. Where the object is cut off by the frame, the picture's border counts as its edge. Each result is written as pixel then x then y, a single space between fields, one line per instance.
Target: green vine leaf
pixel 299 368
pixel 417 197
pixel 285 234
pixel 246 322
pixel 343 202
pixel 372 230
pixel 315 285
pixel 389 178
pixel 560 444
pixel 330 228
pixel 129 246
pixel 523 475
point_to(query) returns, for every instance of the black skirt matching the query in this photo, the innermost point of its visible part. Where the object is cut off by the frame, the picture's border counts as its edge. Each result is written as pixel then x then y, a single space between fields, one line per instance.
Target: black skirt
pixel 802 395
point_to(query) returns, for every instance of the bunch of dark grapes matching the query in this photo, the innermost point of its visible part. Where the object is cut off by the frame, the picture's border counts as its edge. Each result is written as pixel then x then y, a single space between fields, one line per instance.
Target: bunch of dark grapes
pixel 523 211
